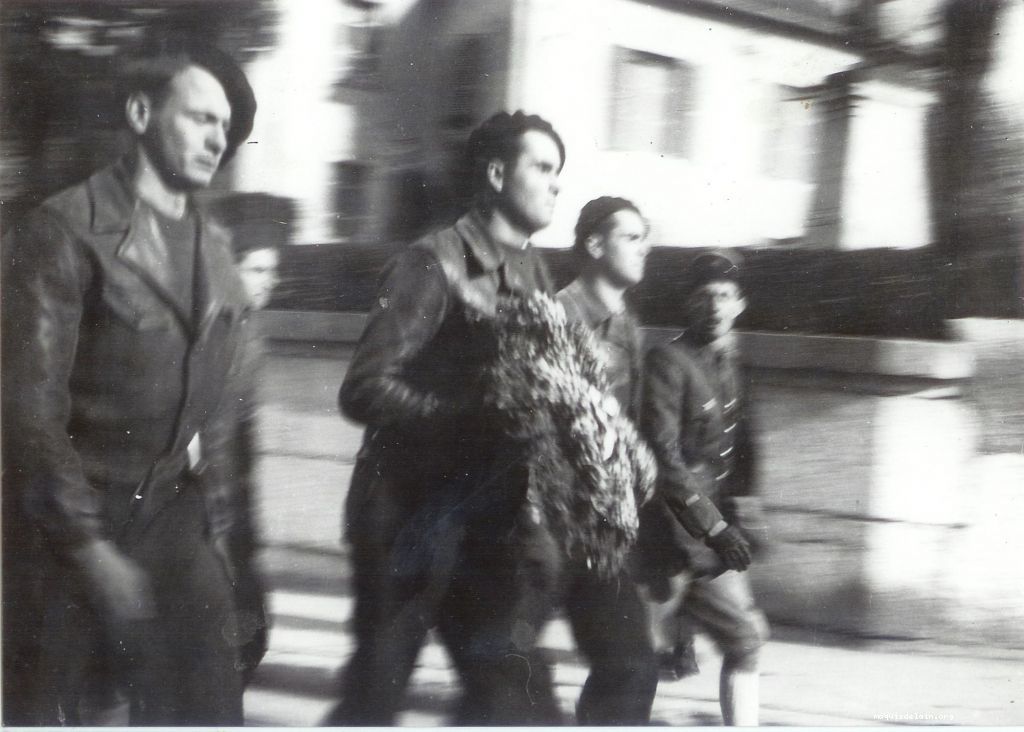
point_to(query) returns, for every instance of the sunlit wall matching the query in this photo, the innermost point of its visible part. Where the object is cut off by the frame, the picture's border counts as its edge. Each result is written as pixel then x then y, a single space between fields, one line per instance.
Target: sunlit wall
pixel 721 150
pixel 724 132
pixel 303 129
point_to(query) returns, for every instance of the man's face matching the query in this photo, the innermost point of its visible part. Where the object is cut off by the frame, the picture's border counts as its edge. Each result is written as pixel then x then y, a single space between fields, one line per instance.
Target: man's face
pixel 258 270
pixel 530 183
pixel 187 131
pixel 624 248
pixel 713 308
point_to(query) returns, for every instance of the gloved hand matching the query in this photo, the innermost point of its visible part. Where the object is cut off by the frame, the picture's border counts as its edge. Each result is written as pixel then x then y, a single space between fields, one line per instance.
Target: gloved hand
pixel 748 516
pixel 731 547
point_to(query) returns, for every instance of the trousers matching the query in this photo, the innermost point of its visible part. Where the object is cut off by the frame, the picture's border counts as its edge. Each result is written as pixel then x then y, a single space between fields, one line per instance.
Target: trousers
pixel 483 576
pixel 609 622
pixel 176 668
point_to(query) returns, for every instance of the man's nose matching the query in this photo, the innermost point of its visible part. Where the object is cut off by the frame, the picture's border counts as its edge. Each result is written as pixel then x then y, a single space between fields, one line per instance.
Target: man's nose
pixel 217 140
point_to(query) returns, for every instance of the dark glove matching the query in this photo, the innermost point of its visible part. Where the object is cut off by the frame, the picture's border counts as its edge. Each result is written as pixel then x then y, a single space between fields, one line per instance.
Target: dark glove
pixel 748 515
pixel 731 547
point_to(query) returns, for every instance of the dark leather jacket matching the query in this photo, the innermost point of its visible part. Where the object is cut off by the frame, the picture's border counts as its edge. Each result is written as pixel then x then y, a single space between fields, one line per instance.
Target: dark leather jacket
pixel 105 380
pixel 414 379
pixel 694 417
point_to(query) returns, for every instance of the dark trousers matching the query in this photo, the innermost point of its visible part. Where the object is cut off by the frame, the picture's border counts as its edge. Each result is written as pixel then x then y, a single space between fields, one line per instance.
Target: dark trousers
pixel 609 622
pixel 480 571
pixel 178 668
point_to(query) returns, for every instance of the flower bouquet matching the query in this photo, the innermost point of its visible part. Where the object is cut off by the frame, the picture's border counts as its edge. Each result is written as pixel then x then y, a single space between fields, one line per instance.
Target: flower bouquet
pixel 589 469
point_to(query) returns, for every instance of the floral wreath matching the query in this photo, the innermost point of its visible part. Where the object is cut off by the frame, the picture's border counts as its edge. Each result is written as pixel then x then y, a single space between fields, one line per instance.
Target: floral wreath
pixel 589 469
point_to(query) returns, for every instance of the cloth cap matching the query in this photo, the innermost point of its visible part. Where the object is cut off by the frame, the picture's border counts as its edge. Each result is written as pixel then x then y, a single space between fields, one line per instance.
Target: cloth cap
pixel 716 266
pixel 595 212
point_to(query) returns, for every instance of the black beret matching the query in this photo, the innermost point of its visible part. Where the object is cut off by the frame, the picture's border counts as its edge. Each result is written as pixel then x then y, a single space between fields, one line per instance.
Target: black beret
pixel 595 212
pixel 717 266
pixel 152 65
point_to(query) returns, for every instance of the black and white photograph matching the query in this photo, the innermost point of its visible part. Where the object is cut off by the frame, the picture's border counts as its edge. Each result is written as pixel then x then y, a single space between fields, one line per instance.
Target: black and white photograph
pixel 435 363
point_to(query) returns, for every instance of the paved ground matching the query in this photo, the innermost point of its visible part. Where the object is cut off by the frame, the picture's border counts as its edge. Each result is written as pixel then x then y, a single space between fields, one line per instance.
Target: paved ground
pixel 808 679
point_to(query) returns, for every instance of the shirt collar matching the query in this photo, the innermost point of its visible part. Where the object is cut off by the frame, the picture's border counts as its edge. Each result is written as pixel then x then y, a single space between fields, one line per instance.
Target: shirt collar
pixel 593 309
pixel 726 345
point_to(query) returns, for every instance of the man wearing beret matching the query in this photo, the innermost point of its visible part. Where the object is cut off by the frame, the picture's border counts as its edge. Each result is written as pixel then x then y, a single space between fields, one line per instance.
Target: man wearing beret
pixel 696 534
pixel 607 615
pixel 121 309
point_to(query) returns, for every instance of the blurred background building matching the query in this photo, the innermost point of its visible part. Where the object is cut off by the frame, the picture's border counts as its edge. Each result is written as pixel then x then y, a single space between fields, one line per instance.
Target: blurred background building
pixel 814 125
pixel 867 155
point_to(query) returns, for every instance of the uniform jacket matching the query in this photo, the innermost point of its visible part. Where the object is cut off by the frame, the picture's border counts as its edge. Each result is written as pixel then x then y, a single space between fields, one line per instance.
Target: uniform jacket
pixel 105 380
pixel 415 377
pixel 694 417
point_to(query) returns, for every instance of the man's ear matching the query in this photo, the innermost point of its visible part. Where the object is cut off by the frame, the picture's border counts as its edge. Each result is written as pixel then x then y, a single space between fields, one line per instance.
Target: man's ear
pixel 594 246
pixel 139 111
pixel 496 174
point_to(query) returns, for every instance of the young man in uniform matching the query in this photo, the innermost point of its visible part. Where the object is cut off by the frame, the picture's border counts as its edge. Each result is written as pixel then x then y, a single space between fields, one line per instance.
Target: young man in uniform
pixel 121 312
pixel 607 615
pixel 696 534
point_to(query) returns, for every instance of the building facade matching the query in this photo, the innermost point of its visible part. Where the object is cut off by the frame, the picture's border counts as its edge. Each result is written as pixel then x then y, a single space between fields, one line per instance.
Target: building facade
pixel 731 127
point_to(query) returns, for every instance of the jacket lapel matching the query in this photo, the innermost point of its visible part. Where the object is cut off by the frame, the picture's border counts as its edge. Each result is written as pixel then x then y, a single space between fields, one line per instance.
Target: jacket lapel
pixel 489 256
pixel 117 211
pixel 141 251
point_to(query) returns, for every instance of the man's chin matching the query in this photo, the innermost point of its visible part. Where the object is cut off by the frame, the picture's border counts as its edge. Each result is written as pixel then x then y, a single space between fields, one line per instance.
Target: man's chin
pixel 200 179
pixel 195 178
pixel 188 183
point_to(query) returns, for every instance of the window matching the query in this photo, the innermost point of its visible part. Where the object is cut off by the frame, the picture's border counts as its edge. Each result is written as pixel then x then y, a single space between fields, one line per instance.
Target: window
pixel 653 103
pixel 790 126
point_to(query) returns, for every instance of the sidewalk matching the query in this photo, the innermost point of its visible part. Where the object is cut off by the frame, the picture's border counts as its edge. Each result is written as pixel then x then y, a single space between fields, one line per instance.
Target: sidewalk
pixel 803 683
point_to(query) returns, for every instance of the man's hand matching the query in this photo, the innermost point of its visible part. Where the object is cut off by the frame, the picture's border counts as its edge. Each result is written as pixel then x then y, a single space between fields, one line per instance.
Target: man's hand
pixel 731 547
pixel 749 517
pixel 119 585
pixel 222 549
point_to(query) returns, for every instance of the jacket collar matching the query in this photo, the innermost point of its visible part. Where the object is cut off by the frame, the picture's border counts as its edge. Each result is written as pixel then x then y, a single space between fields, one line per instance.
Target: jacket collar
pixel 726 345
pixel 117 210
pixel 488 253
pixel 113 200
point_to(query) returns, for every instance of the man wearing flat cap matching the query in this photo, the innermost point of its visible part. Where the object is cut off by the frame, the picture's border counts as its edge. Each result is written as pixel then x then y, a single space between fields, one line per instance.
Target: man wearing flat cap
pixel 121 311
pixel 697 533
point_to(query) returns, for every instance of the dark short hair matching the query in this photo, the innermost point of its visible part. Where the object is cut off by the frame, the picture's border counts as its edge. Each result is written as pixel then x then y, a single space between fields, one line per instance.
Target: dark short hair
pixel 498 137
pixel 150 67
pixel 596 215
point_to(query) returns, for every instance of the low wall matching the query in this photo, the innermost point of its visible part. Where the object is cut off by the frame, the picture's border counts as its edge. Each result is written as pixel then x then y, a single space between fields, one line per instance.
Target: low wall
pixel 888 521
pixel 870 292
